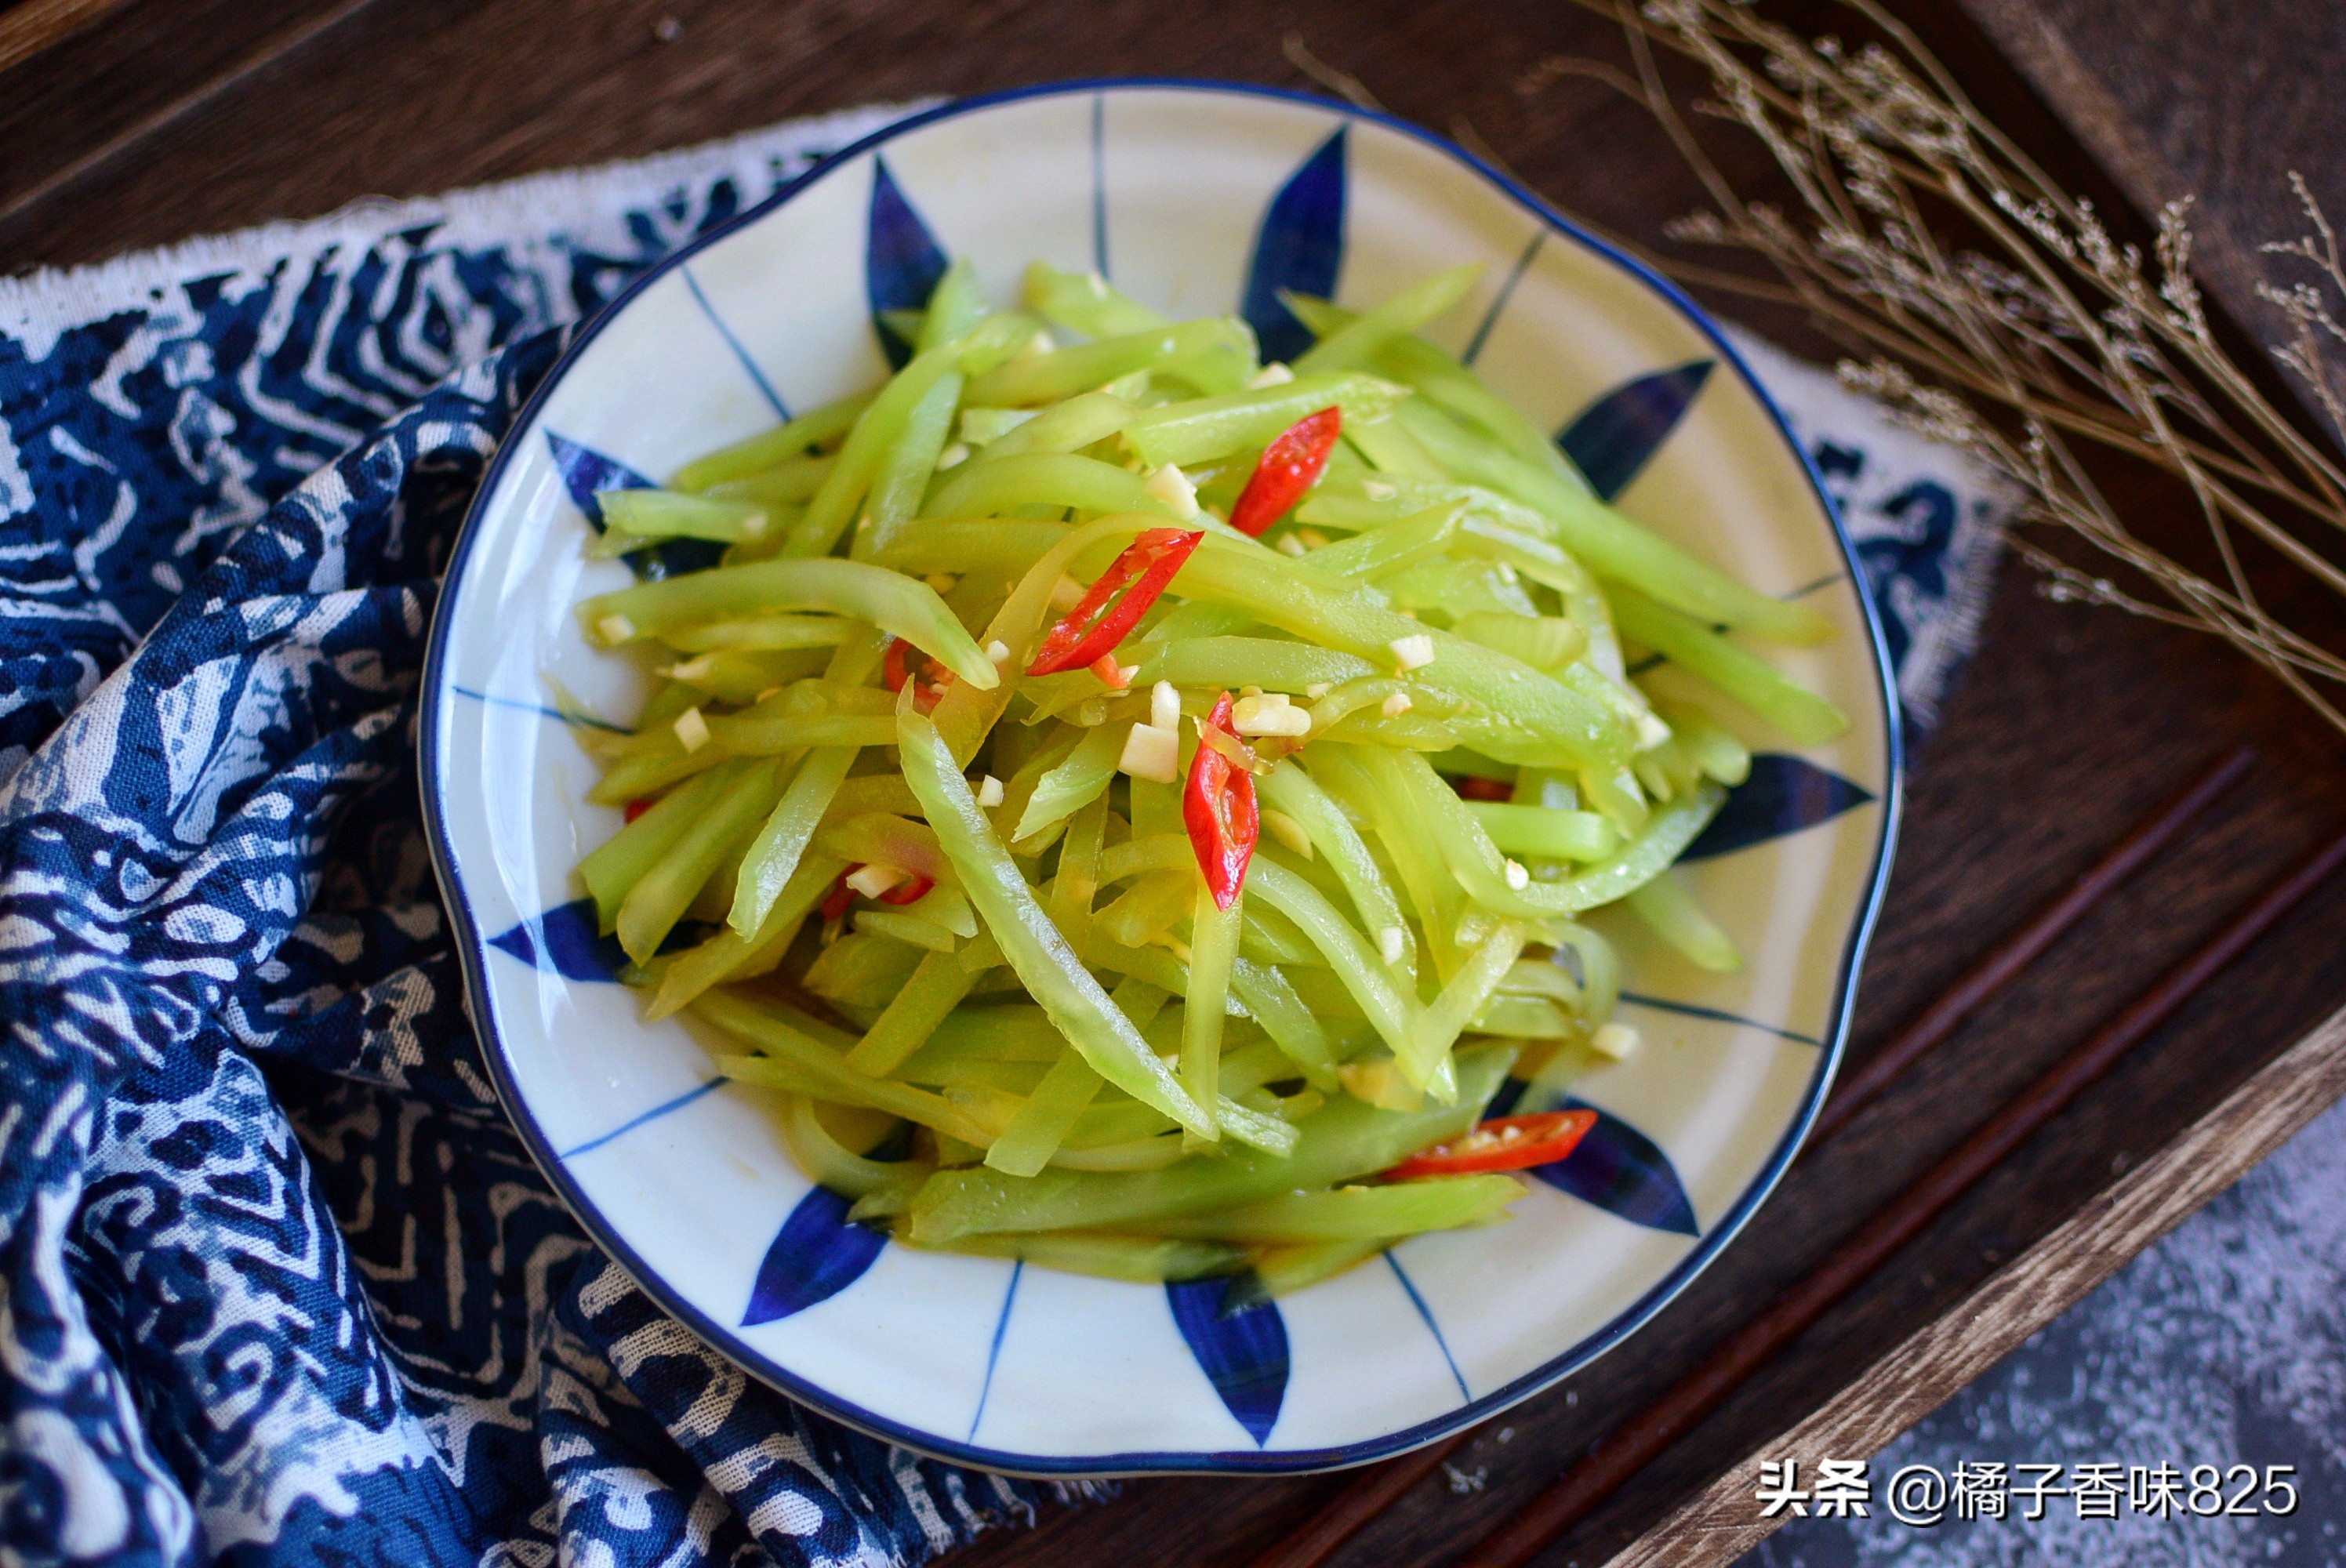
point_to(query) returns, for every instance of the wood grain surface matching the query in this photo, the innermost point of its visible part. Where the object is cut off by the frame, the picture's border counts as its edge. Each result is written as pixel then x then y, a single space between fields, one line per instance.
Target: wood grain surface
pixel 1913 1380
pixel 31 27
pixel 176 117
pixel 2201 99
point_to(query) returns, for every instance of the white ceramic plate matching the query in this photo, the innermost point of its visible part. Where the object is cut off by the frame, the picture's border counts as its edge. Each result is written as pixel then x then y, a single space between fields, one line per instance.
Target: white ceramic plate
pixel 1196 198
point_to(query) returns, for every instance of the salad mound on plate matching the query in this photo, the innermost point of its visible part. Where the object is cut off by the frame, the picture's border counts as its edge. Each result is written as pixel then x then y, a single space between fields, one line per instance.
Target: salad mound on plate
pixel 1134 804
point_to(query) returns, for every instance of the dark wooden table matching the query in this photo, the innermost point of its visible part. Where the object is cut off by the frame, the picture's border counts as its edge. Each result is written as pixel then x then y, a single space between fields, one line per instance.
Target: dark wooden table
pixel 160 119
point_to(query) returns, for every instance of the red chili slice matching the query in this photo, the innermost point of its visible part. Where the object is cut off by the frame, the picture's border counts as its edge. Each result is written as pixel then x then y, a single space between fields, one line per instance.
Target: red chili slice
pixel 637 808
pixel 933 677
pixel 1503 1144
pixel 842 898
pixel 1217 807
pixel 908 892
pixel 1094 627
pixel 1289 466
pixel 1475 787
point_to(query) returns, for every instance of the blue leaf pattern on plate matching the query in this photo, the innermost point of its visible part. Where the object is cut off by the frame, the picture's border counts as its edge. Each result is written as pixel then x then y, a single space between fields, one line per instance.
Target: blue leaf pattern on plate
pixel 902 260
pixel 1510 1095
pixel 1612 437
pixel 1623 1172
pixel 586 470
pixel 676 556
pixel 1784 795
pixel 1243 1353
pixel 1300 247
pixel 565 940
pixel 816 1255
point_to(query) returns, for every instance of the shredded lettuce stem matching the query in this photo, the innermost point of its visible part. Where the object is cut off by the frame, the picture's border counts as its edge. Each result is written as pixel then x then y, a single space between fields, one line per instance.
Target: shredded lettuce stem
pixel 956 927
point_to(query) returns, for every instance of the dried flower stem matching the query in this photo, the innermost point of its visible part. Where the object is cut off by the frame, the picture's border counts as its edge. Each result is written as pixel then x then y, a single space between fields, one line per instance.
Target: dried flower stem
pixel 2040 337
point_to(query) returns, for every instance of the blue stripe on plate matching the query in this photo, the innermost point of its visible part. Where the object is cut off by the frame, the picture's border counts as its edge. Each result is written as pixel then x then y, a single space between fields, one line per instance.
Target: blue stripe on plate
pixel 773 398
pixel 1099 183
pixel 1664 1004
pixel 541 710
pixel 1409 1288
pixel 1499 301
pixel 994 1350
pixel 654 1115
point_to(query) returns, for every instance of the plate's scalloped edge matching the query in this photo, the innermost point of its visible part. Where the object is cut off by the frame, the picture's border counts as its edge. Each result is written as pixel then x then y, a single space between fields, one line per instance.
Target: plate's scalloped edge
pixel 473 958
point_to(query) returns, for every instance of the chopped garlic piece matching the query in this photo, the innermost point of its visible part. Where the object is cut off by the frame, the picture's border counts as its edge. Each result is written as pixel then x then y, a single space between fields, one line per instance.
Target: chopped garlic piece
pixel 989 790
pixel 1312 538
pixel 1288 831
pixel 1097 284
pixel 997 651
pixel 1413 652
pixel 1318 689
pixel 875 879
pixel 1651 731
pixel 1172 486
pixel 1378 490
pixel 691 669
pixel 1165 706
pixel 1518 877
pixel 1392 942
pixel 1394 705
pixel 1040 344
pixel 1615 1040
pixel 1274 374
pixel 1270 713
pixel 692 729
pixel 1067 594
pixel 1151 753
pixel 615 629
pixel 1288 544
pixel 1125 674
pixel 953 456
pixel 942 581
pixel 753 527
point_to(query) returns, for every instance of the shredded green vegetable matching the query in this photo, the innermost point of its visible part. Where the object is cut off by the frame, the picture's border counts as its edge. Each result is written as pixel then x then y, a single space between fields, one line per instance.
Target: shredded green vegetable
pixel 950 914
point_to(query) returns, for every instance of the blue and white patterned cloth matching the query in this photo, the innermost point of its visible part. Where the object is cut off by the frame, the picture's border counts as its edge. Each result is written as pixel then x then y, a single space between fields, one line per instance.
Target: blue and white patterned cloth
pixel 277 1281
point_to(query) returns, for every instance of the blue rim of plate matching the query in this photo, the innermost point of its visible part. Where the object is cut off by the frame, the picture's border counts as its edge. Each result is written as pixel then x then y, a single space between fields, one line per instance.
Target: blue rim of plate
pixel 471 954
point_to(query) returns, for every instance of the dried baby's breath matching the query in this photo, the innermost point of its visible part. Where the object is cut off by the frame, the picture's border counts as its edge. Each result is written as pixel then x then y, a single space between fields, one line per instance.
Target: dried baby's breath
pixel 2039 337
